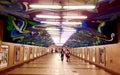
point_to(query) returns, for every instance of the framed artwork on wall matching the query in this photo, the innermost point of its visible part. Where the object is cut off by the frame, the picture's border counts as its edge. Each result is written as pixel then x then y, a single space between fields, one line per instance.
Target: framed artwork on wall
pixel 25 53
pixel 83 53
pixel 80 53
pixel 31 52
pixel 102 55
pixel 93 54
pixel 16 54
pixel 88 54
pixel 3 56
pixel 35 52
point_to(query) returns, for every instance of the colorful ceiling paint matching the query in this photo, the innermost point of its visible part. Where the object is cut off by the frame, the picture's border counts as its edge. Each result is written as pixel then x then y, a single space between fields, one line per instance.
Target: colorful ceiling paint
pixel 13 7
pixel 94 33
pixel 24 31
pixel 99 28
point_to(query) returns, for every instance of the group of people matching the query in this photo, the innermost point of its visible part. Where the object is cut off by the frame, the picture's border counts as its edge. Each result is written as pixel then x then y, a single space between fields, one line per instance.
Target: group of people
pixel 66 53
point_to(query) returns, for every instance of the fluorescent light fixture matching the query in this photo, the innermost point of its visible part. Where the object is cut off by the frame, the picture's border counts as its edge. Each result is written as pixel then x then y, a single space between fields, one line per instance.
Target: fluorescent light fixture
pixel 72 30
pixel 75 17
pixel 65 23
pixel 80 7
pixel 47 16
pixel 59 44
pixel 53 29
pixel 54 34
pixel 69 17
pixel 54 23
pixel 46 6
pixel 35 6
pixel 71 22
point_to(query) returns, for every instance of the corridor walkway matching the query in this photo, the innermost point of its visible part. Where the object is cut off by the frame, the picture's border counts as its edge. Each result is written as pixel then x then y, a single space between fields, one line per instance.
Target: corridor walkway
pixel 52 65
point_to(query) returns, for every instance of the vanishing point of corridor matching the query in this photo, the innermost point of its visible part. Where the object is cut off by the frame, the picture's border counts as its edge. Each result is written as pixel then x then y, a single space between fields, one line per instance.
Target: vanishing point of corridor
pixel 51 64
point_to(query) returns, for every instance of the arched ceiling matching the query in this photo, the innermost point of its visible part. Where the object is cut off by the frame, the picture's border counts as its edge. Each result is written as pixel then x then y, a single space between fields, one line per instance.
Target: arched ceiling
pixel 104 11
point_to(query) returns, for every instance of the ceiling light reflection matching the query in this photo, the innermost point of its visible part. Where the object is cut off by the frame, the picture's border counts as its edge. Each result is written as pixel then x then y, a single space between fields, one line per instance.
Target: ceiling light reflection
pixel 66 35
pixel 56 39
pixel 60 38
pixel 59 44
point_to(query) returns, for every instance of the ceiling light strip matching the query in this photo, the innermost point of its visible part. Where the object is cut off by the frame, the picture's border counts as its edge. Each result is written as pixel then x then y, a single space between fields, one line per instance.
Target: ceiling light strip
pixel 60 7
pixel 69 17
pixel 47 16
pixel 53 29
pixel 71 22
pixel 75 17
pixel 50 22
pixel 59 22
pixel 46 6
pixel 80 7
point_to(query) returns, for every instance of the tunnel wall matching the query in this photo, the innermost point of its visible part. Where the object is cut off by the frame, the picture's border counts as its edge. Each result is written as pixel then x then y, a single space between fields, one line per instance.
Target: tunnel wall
pixel 12 54
pixel 106 56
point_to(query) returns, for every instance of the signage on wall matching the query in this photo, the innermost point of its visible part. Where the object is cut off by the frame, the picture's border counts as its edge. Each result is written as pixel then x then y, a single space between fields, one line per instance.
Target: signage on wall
pixel 102 57
pixel 3 56
pixel 16 54
pixel 25 53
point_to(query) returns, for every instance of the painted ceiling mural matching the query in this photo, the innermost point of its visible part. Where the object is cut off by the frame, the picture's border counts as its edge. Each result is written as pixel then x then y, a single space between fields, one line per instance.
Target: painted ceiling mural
pixel 24 31
pixel 94 33
pixel 99 29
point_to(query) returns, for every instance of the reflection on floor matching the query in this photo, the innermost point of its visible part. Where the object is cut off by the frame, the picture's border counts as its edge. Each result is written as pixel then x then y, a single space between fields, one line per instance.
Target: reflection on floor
pixel 52 65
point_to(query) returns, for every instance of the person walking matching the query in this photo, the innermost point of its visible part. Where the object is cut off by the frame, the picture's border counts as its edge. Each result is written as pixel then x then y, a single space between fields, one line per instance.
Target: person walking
pixel 67 55
pixel 62 54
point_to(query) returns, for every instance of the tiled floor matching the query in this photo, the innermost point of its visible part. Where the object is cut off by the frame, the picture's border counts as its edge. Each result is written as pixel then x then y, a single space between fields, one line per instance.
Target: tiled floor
pixel 52 65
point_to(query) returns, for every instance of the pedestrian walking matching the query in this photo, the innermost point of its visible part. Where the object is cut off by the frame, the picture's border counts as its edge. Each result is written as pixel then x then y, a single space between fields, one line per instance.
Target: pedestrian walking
pixel 67 54
pixel 62 54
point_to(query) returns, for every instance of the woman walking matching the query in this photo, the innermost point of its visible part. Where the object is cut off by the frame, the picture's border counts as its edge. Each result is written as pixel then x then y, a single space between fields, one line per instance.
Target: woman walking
pixel 67 55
